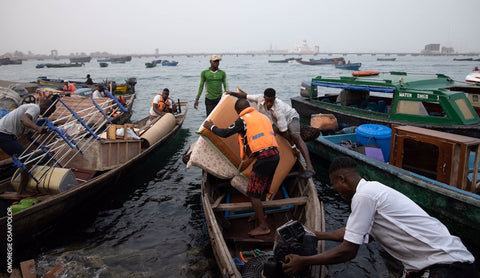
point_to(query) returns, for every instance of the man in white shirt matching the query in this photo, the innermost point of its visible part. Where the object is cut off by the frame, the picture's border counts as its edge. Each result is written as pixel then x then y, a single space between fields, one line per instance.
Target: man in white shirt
pixel 422 243
pixel 20 121
pixel 284 118
pixel 162 103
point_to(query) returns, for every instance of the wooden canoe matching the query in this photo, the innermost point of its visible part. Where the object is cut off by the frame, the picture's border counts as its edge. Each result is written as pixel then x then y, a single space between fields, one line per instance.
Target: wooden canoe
pixel 227 212
pixel 33 221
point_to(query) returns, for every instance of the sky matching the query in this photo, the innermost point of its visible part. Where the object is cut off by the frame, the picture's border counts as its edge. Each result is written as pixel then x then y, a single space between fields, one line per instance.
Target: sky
pixel 207 26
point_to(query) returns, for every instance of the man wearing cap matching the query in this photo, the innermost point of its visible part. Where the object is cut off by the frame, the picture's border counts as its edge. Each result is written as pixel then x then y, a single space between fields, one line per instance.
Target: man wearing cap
pixel 284 118
pixel 213 78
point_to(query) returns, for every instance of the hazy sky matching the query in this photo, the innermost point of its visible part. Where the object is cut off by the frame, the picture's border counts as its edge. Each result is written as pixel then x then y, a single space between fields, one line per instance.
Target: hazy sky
pixel 192 26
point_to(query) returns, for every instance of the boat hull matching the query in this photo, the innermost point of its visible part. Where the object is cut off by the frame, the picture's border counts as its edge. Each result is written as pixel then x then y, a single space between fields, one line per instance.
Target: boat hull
pixel 457 209
pixel 355 117
pixel 43 216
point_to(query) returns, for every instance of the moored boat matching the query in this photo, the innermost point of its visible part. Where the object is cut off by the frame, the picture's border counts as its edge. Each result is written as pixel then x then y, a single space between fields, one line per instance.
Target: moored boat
pixel 169 63
pixel 432 101
pixel 150 65
pixel 386 59
pixel 473 77
pixel 286 60
pixel 83 165
pixel 85 59
pixel 227 209
pixel 118 88
pixel 103 64
pixel 435 169
pixel 63 65
pixel 348 66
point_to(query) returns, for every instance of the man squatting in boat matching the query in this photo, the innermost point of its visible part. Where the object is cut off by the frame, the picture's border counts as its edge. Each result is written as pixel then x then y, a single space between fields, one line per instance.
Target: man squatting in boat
pixel 286 120
pixel 257 139
pixel 21 121
pixel 422 243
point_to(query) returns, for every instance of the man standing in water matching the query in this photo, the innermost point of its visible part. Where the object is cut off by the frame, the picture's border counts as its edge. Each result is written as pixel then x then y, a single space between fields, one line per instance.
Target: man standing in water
pixel 256 134
pixel 212 78
pixel 422 243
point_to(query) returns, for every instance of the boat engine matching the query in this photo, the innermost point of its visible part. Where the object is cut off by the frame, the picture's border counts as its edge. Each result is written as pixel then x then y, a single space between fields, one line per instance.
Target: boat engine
pixel 131 82
pixel 305 89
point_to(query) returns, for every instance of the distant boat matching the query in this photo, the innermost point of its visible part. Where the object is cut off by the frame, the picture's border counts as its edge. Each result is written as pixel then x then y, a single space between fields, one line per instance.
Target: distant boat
pixel 63 65
pixel 80 59
pixel 39 66
pixel 351 66
pixel 150 64
pixel 473 77
pixel 463 59
pixel 169 63
pixel 103 64
pixel 386 59
pixel 284 60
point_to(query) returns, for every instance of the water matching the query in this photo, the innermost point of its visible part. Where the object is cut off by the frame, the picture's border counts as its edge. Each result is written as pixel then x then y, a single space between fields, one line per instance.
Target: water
pixel 151 225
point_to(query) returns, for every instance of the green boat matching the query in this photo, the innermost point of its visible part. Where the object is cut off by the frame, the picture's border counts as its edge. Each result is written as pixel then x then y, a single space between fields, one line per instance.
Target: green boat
pixel 433 101
pixel 435 169
pixel 64 65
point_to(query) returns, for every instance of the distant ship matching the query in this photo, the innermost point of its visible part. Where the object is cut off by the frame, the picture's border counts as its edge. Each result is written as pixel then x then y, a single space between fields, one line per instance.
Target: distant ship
pixel 303 48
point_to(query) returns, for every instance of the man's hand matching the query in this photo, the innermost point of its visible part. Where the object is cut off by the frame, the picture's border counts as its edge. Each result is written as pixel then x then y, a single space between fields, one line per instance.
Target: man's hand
pixel 293 264
pixel 208 124
pixel 195 104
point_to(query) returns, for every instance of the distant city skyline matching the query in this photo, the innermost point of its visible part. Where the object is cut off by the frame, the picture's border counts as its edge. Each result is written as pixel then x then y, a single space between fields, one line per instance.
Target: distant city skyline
pixel 189 26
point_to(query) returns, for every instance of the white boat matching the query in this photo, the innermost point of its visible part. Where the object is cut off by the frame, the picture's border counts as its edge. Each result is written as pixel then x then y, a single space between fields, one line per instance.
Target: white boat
pixel 473 77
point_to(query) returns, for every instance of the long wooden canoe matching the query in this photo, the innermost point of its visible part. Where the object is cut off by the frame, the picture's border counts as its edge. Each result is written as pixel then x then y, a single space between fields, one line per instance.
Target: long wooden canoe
pixel 30 222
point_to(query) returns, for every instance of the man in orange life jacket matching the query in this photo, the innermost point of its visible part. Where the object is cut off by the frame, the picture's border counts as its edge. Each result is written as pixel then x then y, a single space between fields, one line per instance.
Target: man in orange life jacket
pixel 69 87
pixel 162 103
pixel 256 138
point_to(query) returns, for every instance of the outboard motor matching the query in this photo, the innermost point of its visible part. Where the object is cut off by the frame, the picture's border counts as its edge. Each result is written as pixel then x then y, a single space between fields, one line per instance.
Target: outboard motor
pixel 295 240
pixel 305 89
pixel 131 82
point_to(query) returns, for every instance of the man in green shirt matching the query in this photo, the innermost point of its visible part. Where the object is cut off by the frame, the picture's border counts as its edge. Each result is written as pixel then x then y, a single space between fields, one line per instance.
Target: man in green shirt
pixel 212 78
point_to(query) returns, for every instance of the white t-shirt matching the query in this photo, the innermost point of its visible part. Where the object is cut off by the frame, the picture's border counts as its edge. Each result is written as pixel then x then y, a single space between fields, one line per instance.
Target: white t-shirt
pixel 98 94
pixel 155 101
pixel 281 114
pixel 11 123
pixel 404 229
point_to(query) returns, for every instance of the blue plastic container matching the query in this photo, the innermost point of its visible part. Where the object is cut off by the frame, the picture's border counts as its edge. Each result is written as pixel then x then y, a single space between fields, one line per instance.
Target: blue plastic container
pixel 379 135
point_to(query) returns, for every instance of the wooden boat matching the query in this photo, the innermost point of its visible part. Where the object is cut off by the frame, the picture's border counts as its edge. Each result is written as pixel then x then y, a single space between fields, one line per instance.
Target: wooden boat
pixel 284 60
pixel 40 66
pixel 169 63
pixel 118 88
pixel 386 59
pixel 326 61
pixel 103 64
pixel 63 65
pixel 85 59
pixel 351 66
pixel 227 210
pixel 432 101
pixel 435 169
pixel 150 65
pixel 463 59
pixel 95 163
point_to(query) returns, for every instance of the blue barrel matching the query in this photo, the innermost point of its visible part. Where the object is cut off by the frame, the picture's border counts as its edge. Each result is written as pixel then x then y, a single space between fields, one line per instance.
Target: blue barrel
pixel 379 135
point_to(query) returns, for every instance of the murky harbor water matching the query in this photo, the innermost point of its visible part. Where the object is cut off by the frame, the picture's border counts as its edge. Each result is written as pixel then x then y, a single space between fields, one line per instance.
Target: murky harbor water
pixel 151 224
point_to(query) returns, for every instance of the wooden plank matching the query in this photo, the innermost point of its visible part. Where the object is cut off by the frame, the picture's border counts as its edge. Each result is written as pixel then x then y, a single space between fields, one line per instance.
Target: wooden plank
pixel 16 273
pixel 297 201
pixel 54 272
pixel 28 269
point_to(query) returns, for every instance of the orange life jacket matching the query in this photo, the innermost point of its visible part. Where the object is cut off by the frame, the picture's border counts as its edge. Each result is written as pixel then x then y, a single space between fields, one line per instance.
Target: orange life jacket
pixel 163 105
pixel 259 135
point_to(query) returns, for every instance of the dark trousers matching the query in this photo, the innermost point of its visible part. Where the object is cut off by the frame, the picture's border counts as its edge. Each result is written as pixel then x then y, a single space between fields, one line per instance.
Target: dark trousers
pixel 10 145
pixel 210 104
pixel 454 270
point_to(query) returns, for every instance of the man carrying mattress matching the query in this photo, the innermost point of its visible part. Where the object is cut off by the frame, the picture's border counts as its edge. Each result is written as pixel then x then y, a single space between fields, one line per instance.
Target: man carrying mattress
pixel 286 120
pixel 257 139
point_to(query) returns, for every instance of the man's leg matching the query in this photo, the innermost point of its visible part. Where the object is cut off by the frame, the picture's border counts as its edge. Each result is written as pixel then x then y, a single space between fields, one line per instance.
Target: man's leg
pixel 262 228
pixel 294 130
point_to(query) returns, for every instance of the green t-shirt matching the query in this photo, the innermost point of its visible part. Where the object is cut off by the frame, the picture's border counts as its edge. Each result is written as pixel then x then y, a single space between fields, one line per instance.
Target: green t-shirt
pixel 213 82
